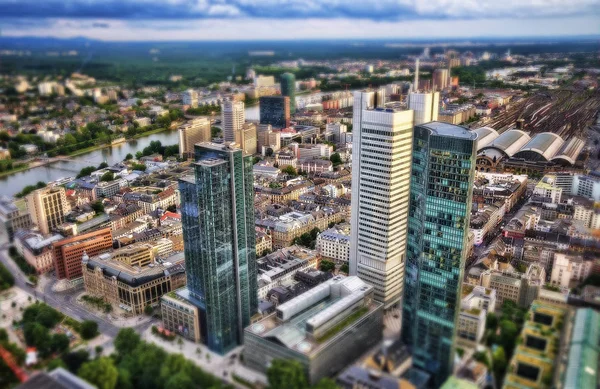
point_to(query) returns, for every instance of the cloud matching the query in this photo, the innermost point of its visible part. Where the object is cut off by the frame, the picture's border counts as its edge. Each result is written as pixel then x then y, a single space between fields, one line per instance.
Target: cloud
pixel 296 9
pixel 245 28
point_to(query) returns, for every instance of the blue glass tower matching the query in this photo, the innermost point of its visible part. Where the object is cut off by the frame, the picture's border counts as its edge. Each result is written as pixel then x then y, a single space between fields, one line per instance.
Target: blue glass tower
pixel 443 169
pixel 288 88
pixel 217 215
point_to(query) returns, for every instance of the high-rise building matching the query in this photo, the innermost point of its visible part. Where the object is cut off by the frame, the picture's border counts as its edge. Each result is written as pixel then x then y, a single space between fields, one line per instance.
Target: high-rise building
pixel 246 138
pixel 233 117
pixel 440 79
pixel 48 207
pixel 381 145
pixel 426 106
pixel 217 214
pixel 268 139
pixel 195 131
pixel 441 189
pixel 275 110
pixel 288 88
pixel 67 253
pixel 190 97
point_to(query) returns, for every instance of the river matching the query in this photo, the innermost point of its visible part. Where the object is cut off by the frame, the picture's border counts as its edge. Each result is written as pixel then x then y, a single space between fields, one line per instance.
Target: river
pixel 14 183
pixel 9 185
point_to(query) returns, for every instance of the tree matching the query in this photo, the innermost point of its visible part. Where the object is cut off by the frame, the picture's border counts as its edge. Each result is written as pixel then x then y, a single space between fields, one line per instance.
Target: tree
pixel 107 177
pixel 344 268
pixel 215 132
pixel 290 170
pixel 286 374
pixel 88 329
pixel 100 372
pixel 97 206
pixel 139 155
pixel 180 381
pixel 326 383
pixel 336 159
pixel 86 171
pixel 491 321
pixel 326 266
pixel 99 350
pixel 75 359
pixel 148 310
pixel 59 343
pixel 126 341
pixel 128 157
pixel 103 165
pixel 499 362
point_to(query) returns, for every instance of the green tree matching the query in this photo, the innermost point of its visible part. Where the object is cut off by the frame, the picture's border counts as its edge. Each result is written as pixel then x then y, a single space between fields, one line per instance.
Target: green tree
pixel 86 171
pixel 103 165
pixel 148 310
pixel 56 363
pixel 126 341
pixel 344 268
pixel 336 159
pixel 88 329
pixel 59 343
pixel 326 266
pixel 180 380
pixel 97 206
pixel 100 372
pixel 326 383
pixel 491 321
pixel 290 170
pixel 75 359
pixel 286 374
pixel 128 157
pixel 107 177
pixel 499 362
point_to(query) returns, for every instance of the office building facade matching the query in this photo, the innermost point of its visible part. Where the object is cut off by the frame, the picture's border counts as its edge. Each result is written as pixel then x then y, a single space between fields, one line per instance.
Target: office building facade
pixel 425 105
pixel 288 89
pixel 48 207
pixel 382 144
pixel 195 131
pixel 275 110
pixel 67 253
pixel 441 189
pixel 217 214
pixel 233 117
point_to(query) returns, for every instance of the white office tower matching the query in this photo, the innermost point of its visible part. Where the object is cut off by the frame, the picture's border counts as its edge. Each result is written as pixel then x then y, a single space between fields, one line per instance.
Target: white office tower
pixel 381 163
pixel 416 82
pixel 426 106
pixel 190 97
pixel 232 119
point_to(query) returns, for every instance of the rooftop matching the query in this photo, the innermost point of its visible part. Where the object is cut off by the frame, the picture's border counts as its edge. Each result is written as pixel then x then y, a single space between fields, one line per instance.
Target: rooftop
pixel 449 130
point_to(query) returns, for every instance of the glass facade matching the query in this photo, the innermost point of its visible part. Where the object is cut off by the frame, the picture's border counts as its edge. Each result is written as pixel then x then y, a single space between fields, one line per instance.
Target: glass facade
pixel 217 214
pixel 288 88
pixel 441 185
pixel 275 110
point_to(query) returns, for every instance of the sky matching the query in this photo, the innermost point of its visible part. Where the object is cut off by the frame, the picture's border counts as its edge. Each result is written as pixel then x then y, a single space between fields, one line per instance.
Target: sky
pixel 165 20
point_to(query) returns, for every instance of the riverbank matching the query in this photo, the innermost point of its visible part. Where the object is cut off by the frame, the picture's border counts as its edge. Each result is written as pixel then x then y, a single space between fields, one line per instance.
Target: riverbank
pixel 86 150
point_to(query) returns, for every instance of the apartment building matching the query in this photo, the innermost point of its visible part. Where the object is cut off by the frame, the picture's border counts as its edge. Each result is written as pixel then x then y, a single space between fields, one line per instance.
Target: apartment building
pixel 48 208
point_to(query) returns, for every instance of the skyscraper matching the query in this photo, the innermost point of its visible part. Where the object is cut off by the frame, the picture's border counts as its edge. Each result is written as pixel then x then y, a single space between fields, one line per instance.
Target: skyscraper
pixel 233 117
pixel 194 131
pixel 288 88
pixel 217 214
pixel 441 189
pixel 440 79
pixel 382 144
pixel 275 110
pixel 426 106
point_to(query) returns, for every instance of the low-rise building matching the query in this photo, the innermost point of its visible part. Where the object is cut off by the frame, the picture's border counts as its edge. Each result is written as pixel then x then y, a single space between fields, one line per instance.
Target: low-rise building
pixel 476 303
pixel 281 266
pixel 533 364
pixel 36 249
pixel 334 243
pixel 568 268
pixel 264 243
pixel 180 316
pixel 522 288
pixel 325 329
pixel 13 217
pixel 69 251
pixel 130 278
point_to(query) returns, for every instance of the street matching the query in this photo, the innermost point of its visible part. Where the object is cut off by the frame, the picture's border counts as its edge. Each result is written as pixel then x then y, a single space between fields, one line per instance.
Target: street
pixel 64 301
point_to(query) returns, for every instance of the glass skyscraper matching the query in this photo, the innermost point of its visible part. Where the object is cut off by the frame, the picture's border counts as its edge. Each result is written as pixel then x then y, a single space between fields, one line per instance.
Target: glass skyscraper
pixel 288 88
pixel 217 215
pixel 441 189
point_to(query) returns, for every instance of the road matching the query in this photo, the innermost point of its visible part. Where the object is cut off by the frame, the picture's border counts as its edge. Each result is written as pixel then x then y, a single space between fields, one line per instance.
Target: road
pixel 63 302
